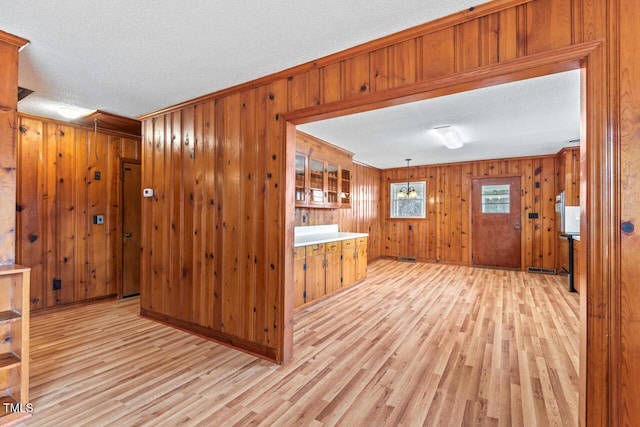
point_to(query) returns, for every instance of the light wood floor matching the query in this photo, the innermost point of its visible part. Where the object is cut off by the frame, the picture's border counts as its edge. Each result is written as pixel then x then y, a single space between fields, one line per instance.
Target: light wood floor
pixel 414 344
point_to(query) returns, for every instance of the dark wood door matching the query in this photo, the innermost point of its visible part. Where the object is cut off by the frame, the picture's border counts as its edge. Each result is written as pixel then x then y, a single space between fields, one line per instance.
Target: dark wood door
pixel 131 213
pixel 496 222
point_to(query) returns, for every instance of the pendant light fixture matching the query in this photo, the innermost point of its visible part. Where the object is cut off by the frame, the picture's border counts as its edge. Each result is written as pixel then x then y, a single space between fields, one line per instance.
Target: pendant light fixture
pixel 407 192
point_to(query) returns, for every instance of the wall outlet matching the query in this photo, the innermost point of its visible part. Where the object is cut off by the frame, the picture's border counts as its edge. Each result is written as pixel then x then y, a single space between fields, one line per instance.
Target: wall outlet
pixel 98 219
pixel 96 175
pixel 147 192
pixel 57 284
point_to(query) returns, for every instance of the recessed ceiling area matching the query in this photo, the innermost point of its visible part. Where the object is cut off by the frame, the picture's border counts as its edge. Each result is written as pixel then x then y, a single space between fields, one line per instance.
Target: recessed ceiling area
pixel 524 118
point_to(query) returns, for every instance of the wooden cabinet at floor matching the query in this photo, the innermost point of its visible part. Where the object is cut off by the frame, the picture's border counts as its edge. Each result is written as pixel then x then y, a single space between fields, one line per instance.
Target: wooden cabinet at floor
pixel 326 268
pixel 361 258
pixel 349 256
pixel 14 346
pixel 576 265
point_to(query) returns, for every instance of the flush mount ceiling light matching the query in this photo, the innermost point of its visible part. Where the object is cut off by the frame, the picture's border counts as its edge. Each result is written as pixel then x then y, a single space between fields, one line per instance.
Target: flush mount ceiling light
pixel 407 192
pixel 448 136
pixel 69 112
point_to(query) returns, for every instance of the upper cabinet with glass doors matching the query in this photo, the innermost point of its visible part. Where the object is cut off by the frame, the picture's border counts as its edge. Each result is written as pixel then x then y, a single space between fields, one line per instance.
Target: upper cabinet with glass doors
pixel 322 174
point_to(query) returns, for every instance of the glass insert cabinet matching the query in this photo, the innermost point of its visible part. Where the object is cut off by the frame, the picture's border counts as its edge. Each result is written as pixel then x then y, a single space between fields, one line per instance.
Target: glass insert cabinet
pixel 321 183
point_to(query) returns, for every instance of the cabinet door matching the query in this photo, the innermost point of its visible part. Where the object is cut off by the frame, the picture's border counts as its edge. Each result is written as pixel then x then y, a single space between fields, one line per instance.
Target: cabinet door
pixel 301 180
pixel 299 277
pixel 316 182
pixel 333 183
pixel 348 263
pixel 345 188
pixel 576 265
pixel 333 271
pixel 315 274
pixel 361 258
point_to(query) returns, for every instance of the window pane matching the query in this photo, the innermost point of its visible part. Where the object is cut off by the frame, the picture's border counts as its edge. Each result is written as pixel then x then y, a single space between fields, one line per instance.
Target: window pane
pixel 408 204
pixel 496 198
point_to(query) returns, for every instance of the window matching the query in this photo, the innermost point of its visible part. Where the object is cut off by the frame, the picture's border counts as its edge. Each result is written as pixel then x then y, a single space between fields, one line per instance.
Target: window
pixel 495 199
pixel 408 206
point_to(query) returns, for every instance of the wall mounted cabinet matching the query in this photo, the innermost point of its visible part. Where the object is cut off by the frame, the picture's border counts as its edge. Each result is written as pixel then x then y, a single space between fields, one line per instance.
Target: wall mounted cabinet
pixel 321 183
pixel 323 174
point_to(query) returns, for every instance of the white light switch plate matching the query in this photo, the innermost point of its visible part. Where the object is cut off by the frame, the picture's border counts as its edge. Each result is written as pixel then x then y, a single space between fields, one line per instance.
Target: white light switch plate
pixel 147 192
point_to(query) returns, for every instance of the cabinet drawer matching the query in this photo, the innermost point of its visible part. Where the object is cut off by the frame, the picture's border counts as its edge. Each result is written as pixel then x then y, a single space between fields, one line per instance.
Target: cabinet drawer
pixel 332 246
pixel 314 249
pixel 348 243
pixel 361 241
pixel 298 253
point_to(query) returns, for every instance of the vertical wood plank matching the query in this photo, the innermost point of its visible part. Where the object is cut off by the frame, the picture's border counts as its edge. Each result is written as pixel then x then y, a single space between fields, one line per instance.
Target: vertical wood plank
pixel 177 214
pixel 188 207
pixel 199 256
pixel 231 210
pixel 146 258
pixel 159 213
pixel 549 25
pixel 66 212
pixel 331 83
pixel 356 76
pixel 207 286
pixel 438 53
pixel 8 123
pixel 467 46
pixel 31 215
pixel 274 221
pixel 248 188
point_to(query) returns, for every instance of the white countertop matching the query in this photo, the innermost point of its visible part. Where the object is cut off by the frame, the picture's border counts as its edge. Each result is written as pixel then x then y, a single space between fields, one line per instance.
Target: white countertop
pixel 313 235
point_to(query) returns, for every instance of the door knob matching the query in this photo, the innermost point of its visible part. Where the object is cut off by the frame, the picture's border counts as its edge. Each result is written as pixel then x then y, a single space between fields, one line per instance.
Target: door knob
pixel 127 234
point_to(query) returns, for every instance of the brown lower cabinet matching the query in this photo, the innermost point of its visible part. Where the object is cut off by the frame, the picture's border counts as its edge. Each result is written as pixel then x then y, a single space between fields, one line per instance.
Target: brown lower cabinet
pixel 325 268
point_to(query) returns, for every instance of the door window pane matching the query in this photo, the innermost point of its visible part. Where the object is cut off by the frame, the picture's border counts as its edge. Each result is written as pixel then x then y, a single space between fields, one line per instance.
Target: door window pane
pixel 495 199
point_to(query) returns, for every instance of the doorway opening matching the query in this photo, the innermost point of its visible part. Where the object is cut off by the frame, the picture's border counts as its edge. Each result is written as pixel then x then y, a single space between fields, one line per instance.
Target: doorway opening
pixel 519 70
pixel 131 190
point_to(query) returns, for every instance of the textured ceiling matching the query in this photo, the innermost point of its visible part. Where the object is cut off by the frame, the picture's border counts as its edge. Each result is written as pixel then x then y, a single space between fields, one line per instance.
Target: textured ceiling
pixel 524 118
pixel 135 57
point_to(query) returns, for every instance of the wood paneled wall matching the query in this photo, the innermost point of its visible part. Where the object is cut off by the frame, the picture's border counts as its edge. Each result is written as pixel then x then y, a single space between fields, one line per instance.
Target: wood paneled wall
pixel 444 235
pixel 9 45
pixel 568 175
pixel 238 136
pixel 498 41
pixel 57 197
pixel 364 215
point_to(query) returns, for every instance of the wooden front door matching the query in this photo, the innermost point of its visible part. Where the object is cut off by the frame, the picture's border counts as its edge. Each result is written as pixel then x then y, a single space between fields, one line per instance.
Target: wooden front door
pixel 131 214
pixel 496 222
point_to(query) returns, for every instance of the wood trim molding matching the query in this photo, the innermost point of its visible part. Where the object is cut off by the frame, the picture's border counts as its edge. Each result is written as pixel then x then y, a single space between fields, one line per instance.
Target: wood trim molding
pixel 422 29
pixel 81 126
pixel 554 61
pixel 12 39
